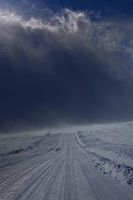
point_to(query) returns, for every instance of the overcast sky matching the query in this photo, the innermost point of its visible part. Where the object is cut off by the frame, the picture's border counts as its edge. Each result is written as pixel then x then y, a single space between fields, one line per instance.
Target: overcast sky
pixel 65 62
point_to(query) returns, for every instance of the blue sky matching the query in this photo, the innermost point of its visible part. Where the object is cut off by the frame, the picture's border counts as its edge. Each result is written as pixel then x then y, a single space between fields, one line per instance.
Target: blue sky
pixel 108 8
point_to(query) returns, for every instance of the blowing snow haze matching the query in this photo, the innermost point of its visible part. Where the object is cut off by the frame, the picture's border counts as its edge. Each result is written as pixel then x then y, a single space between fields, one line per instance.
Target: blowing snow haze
pixel 65 65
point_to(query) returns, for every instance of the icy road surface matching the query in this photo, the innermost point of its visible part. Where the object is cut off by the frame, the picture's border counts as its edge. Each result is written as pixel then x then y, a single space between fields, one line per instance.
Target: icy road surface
pixel 54 167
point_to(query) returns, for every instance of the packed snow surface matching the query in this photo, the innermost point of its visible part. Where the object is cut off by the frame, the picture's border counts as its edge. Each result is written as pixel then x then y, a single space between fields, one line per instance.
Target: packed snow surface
pixel 92 162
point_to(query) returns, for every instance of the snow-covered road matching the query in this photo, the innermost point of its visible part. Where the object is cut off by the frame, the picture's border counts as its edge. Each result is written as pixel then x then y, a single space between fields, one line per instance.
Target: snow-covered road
pixel 63 171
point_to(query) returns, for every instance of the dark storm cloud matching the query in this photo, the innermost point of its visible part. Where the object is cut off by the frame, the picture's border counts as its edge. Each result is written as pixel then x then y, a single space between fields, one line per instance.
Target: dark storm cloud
pixel 63 69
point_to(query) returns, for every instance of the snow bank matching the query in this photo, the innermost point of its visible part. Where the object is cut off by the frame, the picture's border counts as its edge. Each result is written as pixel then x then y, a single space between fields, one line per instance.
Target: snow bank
pixel 110 148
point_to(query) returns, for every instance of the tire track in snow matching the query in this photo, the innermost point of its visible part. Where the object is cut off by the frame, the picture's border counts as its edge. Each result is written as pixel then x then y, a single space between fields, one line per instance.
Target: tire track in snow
pixel 66 174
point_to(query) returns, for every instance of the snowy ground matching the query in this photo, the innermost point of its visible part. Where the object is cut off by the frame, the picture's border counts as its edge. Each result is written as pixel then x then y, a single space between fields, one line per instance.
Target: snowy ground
pixel 88 162
pixel 110 148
